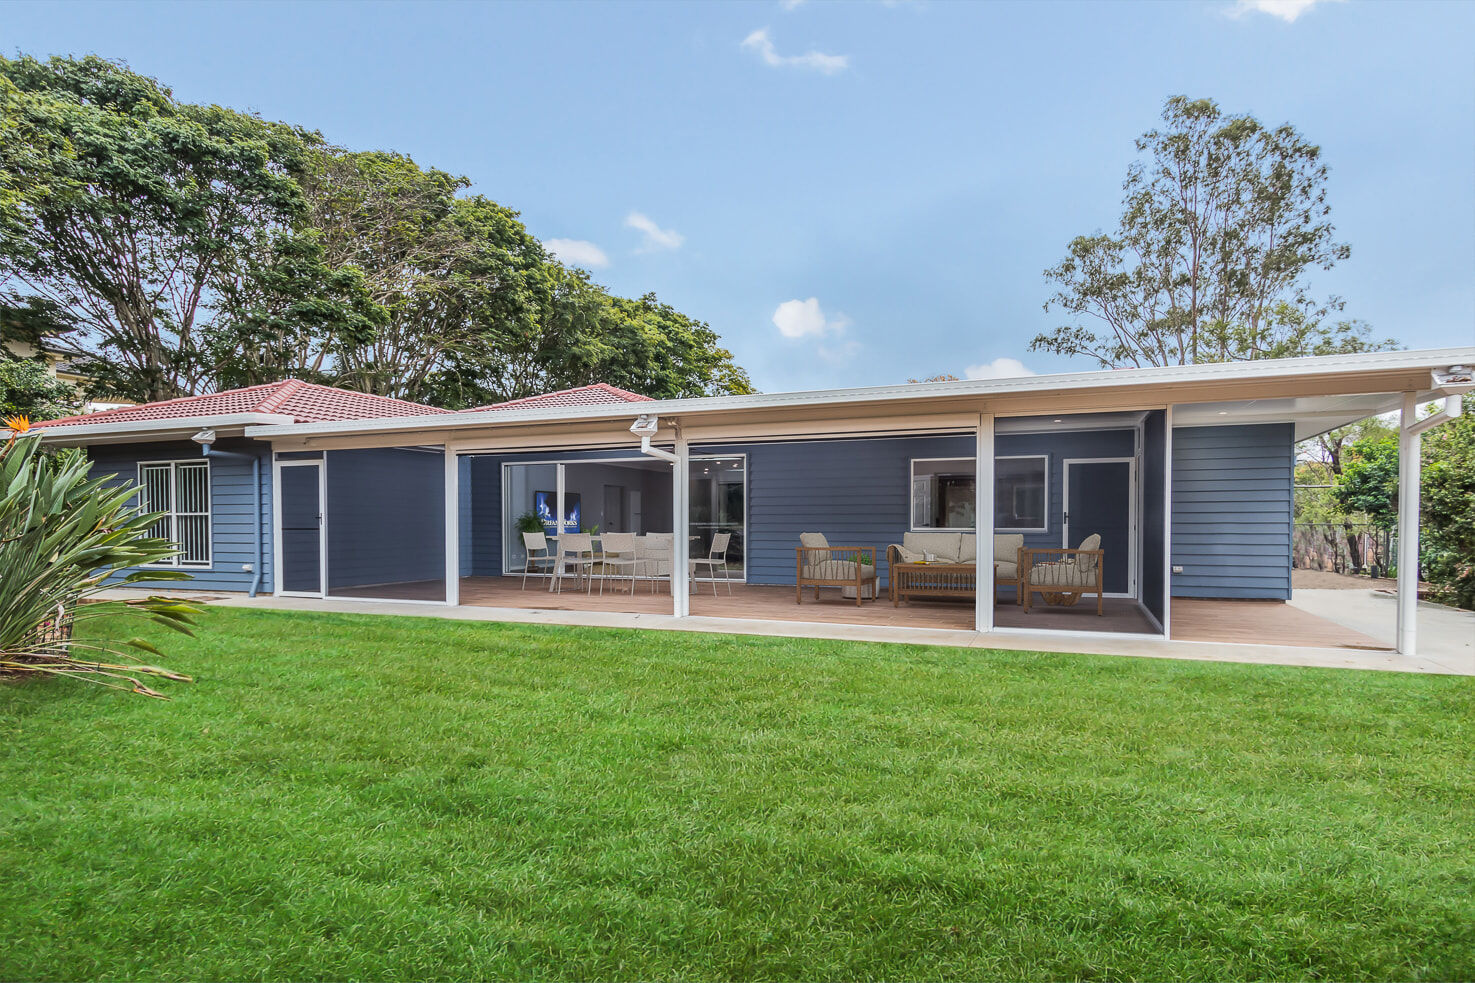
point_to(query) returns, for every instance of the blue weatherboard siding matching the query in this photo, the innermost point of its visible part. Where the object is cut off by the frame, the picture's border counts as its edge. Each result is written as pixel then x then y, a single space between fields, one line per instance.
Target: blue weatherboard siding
pixel 232 526
pixel 857 492
pixel 1232 511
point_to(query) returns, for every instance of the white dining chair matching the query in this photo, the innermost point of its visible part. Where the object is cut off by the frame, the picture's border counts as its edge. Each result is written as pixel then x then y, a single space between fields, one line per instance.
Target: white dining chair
pixel 618 553
pixel 716 557
pixel 575 551
pixel 538 560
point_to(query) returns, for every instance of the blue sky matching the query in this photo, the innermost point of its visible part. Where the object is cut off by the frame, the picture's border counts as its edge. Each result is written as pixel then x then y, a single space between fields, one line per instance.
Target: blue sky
pixel 911 167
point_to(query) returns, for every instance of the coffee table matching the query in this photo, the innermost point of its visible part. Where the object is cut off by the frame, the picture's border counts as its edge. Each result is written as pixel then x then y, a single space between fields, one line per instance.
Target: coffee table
pixel 910 580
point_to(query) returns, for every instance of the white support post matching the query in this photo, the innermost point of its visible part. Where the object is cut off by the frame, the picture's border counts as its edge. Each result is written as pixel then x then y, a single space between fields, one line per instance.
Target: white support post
pixel 681 523
pixel 1409 441
pixel 1168 523
pixel 453 527
pixel 983 525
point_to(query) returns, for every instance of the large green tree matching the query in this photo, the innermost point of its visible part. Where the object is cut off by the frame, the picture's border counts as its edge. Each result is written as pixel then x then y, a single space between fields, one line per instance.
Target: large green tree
pixel 170 249
pixel 1221 221
pixel 1448 509
pixel 137 214
pixel 28 390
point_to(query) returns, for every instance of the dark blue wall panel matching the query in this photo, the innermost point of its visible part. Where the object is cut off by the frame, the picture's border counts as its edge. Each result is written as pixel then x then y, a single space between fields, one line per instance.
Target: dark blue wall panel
pixel 386 512
pixel 233 528
pixel 1232 511
pixel 1154 510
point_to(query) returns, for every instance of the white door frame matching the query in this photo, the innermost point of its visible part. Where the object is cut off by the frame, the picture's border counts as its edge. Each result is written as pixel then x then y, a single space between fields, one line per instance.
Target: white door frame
pixel 276 525
pixel 1065 537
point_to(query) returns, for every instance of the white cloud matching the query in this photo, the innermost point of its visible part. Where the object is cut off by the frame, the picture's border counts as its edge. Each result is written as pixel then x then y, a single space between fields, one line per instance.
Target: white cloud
pixel 999 368
pixel 805 319
pixel 762 44
pixel 1286 10
pixel 578 252
pixel 655 236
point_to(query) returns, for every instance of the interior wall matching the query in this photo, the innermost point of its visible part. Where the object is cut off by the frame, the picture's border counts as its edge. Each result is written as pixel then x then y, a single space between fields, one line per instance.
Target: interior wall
pixel 385 516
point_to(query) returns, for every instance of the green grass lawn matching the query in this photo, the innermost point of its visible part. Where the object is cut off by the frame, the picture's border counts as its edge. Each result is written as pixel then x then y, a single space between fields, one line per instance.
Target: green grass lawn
pixel 401 798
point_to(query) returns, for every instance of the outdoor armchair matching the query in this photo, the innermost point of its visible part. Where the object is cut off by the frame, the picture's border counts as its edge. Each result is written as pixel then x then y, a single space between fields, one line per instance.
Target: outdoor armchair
pixel 1063 576
pixel 818 564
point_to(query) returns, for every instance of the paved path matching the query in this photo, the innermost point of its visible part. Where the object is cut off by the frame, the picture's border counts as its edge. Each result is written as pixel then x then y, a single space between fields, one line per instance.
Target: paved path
pixel 1445 635
pixel 1082 642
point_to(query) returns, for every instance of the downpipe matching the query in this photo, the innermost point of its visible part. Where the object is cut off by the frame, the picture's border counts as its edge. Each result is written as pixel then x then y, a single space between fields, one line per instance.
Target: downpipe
pixel 206 440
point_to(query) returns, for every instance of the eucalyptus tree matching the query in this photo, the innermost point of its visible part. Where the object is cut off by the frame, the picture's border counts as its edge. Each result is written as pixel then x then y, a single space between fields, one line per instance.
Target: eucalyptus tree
pixel 1221 223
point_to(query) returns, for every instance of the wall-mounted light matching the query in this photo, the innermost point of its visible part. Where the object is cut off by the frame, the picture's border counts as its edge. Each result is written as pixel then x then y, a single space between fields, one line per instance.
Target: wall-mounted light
pixel 204 438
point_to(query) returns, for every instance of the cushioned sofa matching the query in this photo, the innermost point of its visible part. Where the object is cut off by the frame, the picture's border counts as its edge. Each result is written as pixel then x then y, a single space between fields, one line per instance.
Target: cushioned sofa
pixel 959 547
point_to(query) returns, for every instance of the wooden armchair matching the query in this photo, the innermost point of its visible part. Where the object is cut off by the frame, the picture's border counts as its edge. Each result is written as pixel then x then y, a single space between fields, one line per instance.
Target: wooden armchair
pixel 818 564
pixel 1064 576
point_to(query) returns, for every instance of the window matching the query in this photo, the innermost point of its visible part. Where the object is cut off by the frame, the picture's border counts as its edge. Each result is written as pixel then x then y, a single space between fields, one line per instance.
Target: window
pixel 1019 493
pixel 181 489
pixel 944 493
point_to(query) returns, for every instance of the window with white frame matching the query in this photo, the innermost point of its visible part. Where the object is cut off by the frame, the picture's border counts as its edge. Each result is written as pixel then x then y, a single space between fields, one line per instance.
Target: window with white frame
pixel 181 490
pixel 944 493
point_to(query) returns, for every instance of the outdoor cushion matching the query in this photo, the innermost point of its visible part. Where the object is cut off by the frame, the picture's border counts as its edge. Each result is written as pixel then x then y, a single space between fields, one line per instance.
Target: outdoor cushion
pixel 1008 570
pixel 909 556
pixel 1007 546
pixel 943 545
pixel 1063 573
pixel 837 570
pixel 1088 563
pixel 967 548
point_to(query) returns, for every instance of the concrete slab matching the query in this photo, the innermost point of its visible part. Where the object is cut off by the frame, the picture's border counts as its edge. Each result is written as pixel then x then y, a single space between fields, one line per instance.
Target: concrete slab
pixel 1013 640
pixel 1445 635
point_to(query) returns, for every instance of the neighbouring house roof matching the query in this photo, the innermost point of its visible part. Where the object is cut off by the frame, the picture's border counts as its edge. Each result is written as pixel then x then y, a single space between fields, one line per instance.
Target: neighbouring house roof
pixel 292 399
pixel 598 394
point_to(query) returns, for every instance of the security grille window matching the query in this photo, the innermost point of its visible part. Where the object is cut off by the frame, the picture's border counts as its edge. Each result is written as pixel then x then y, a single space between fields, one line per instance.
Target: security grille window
pixel 181 490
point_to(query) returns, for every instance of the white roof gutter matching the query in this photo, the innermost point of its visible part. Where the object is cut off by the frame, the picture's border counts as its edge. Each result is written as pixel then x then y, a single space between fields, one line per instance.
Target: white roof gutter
pixel 87 433
pixel 1367 362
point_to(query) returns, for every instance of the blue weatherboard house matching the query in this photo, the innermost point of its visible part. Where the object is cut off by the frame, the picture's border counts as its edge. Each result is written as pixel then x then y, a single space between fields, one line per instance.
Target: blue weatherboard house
pixel 1142 502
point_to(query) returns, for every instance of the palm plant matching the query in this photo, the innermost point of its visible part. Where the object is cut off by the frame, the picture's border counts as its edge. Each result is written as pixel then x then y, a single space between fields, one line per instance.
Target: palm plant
pixel 62 535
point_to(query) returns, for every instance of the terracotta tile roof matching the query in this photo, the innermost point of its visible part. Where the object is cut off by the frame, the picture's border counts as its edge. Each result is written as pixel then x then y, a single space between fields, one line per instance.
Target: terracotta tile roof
pixel 598 394
pixel 305 402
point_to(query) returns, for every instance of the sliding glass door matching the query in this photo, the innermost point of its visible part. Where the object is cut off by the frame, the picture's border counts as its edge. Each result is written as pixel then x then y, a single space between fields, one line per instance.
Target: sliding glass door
pixel 719 504
pixel 631 495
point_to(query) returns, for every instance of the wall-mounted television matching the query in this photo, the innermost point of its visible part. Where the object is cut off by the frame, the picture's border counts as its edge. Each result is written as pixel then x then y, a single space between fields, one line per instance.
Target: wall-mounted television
pixel 545 504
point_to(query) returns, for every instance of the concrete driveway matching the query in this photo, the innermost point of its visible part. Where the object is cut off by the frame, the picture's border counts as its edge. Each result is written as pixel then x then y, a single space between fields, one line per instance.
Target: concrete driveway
pixel 1445 635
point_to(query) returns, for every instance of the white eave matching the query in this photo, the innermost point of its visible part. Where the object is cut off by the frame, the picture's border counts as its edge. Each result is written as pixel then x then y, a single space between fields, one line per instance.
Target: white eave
pixel 1146 379
pixel 185 426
